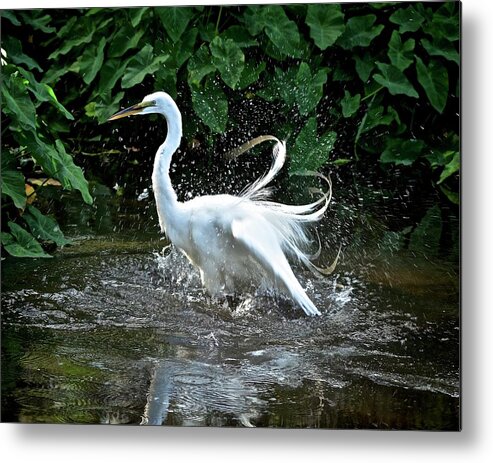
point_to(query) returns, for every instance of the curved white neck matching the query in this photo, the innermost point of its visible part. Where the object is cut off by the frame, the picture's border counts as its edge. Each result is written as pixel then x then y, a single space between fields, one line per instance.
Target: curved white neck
pixel 166 199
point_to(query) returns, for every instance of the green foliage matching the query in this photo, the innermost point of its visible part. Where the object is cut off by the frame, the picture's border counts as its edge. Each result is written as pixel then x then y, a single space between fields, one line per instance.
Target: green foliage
pixel 310 151
pixel 31 137
pixel 434 80
pixel 370 64
pixel 359 32
pixel 326 24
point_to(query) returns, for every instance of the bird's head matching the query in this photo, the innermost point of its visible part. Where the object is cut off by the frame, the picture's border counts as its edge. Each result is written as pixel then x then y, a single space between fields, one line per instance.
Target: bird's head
pixel 155 103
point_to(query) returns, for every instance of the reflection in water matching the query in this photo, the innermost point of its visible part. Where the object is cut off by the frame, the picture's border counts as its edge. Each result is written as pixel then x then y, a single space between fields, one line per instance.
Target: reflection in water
pixel 130 337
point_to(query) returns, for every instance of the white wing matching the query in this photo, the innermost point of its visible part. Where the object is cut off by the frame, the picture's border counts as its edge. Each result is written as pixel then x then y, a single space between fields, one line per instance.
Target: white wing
pixel 261 243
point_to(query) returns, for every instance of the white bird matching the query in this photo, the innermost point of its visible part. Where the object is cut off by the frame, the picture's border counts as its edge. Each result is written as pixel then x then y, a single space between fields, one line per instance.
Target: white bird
pixel 233 240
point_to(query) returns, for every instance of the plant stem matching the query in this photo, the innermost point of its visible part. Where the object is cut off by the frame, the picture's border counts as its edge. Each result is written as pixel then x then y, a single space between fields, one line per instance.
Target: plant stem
pixel 218 19
pixel 371 94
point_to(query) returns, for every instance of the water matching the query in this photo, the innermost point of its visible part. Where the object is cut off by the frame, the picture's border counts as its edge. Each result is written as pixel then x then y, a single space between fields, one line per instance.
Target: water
pixel 113 331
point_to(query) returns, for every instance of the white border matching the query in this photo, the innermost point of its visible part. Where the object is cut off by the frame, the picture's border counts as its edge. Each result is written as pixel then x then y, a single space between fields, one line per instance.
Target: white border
pixel 55 443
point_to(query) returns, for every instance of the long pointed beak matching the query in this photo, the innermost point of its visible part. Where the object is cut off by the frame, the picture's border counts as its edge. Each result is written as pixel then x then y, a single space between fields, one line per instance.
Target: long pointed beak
pixel 132 110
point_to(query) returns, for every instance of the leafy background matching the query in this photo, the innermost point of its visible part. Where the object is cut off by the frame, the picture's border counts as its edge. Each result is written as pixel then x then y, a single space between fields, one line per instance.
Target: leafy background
pixel 368 92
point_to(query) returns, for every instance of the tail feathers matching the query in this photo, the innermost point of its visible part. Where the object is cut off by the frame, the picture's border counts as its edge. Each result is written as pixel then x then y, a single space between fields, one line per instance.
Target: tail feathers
pixel 299 295
pixel 288 220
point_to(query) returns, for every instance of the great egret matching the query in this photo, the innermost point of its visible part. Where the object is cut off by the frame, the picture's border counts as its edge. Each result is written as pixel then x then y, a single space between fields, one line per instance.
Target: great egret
pixel 232 240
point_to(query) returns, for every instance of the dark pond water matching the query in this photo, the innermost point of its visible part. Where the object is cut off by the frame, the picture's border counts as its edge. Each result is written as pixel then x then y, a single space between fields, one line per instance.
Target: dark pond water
pixel 112 330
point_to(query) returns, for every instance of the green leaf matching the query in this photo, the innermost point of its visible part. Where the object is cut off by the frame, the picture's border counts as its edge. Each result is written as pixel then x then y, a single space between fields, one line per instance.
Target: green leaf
pixel 364 66
pixel 441 47
pixel 310 152
pixel 111 71
pixel 91 61
pixel 16 102
pixel 175 20
pixel 56 163
pixel 401 54
pixel 452 196
pixel 375 117
pixel 251 73
pixel 350 104
pixel 402 152
pixel 136 15
pixel 10 15
pixel 254 19
pixel 124 40
pixel 44 93
pixel 326 24
pixel 394 80
pixel 240 35
pixel 408 19
pixel 434 79
pixel 44 227
pixel 104 107
pixel 78 32
pixel 451 168
pixel 141 65
pixel 211 106
pixel 282 32
pixel 228 58
pixel 13 185
pixel 37 20
pixel 21 243
pixel 444 25
pixel 308 89
pixel 200 65
pixel 13 48
pixel 359 32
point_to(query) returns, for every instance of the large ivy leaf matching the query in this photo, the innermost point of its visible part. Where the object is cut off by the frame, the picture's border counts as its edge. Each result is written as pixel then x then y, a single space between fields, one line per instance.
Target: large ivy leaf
pixel 251 73
pixel 175 20
pixel 408 19
pixel 124 40
pixel 44 227
pixel 211 106
pixel 375 117
pixel 141 65
pixel 104 107
pixel 91 61
pixel 13 48
pixel 16 101
pixel 364 65
pixel 359 32
pixel 136 15
pixel 394 80
pixel 44 93
pixel 434 79
pixel 451 167
pixel 326 24
pixel 21 243
pixel 299 87
pixel 37 20
pixel 111 71
pixel 76 32
pixel 13 185
pixel 402 152
pixel 240 35
pixel 441 47
pixel 56 163
pixel 310 152
pixel 200 65
pixel 282 32
pixel 445 24
pixel 10 15
pixel 308 88
pixel 228 58
pixel 401 54
pixel 350 104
